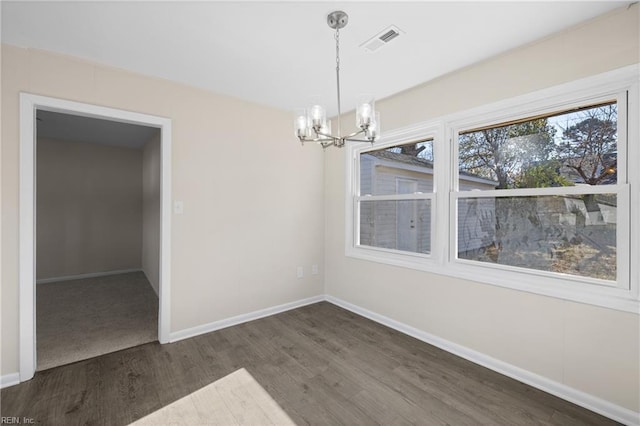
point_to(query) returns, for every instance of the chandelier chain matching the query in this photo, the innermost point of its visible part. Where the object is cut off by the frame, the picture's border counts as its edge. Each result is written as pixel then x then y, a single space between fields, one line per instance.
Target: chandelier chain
pixel 337 37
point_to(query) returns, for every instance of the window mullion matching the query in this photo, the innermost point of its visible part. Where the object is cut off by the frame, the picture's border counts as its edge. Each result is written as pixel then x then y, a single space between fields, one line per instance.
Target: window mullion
pixel 396 197
pixel 533 192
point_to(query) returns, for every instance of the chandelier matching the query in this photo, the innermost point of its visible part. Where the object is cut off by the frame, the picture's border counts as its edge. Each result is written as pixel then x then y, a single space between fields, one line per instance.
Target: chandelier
pixel 311 124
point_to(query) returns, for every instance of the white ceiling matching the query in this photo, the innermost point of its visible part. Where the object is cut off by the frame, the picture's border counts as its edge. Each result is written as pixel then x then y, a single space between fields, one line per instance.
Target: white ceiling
pixel 282 53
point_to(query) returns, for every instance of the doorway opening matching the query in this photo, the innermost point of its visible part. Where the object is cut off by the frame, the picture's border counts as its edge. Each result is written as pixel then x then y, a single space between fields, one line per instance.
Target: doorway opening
pixel 97 227
pixel 83 230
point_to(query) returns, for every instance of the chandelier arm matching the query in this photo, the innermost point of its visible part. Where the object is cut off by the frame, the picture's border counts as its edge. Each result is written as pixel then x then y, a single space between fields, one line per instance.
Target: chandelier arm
pixel 359 132
pixel 326 138
pixel 359 140
pixel 326 135
pixel 322 139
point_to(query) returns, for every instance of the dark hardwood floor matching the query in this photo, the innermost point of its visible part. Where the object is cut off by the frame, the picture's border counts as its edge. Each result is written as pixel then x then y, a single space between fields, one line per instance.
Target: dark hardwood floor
pixel 322 364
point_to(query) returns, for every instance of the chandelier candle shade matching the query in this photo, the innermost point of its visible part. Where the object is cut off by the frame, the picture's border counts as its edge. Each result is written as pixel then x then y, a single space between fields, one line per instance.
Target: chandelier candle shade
pixel 311 124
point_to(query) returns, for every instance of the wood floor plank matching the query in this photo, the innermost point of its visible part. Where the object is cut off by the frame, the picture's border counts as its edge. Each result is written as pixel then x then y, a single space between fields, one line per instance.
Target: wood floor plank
pixel 370 373
pixel 321 364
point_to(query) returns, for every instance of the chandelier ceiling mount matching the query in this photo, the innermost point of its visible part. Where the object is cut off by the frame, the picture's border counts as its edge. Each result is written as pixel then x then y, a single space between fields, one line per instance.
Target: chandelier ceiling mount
pixel 337 20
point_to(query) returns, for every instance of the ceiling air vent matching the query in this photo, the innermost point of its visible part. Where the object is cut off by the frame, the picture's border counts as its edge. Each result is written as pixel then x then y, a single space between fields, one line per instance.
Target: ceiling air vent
pixel 381 39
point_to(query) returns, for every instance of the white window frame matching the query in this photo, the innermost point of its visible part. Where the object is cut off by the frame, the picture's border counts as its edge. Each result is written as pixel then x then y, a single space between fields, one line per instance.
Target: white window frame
pixel 621 85
pixel 420 132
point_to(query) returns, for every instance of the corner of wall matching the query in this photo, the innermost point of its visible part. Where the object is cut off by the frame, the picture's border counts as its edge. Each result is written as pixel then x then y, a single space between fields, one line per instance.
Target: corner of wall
pixel 154 285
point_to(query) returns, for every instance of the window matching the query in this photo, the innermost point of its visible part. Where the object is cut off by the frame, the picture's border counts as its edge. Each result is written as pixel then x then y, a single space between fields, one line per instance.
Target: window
pixel 550 190
pixel 396 194
pixel 532 193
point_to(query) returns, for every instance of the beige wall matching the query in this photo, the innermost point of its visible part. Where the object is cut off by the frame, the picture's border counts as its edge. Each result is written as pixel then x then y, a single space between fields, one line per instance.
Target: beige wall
pixel 253 199
pixel 151 211
pixel 591 349
pixel 89 208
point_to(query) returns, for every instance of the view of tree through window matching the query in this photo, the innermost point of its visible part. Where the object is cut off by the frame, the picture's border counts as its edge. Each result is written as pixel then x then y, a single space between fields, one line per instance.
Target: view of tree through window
pixel 568 233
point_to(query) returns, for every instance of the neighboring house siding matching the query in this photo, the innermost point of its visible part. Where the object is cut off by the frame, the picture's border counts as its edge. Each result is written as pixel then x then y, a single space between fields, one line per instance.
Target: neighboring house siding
pixel 367 228
pixel 389 224
pixel 384 223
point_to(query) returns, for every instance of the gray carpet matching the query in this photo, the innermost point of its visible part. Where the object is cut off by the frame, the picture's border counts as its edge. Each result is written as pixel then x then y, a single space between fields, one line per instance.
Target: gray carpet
pixel 81 319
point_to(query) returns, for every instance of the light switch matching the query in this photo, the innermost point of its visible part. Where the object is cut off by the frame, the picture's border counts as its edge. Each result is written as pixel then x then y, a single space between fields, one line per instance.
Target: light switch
pixel 314 269
pixel 178 207
pixel 300 272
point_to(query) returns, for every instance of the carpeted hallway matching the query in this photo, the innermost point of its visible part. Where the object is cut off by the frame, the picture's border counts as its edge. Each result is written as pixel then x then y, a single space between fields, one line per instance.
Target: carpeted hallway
pixel 84 318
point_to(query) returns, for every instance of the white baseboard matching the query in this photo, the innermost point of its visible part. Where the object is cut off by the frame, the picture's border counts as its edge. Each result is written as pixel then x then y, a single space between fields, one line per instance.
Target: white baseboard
pixel 83 276
pixel 9 380
pixel 590 402
pixel 239 319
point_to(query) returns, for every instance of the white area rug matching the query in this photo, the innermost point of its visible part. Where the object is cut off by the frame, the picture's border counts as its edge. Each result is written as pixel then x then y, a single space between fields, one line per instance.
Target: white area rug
pixel 236 399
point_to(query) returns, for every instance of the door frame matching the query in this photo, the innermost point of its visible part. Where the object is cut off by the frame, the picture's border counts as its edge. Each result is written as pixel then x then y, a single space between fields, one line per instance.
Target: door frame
pixel 29 104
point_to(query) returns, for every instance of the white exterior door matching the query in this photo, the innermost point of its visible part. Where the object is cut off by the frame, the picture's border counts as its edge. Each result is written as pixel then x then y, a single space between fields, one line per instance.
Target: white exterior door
pixel 406 217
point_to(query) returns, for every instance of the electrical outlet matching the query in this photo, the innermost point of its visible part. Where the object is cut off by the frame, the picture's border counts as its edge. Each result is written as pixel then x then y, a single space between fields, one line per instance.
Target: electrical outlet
pixel 314 269
pixel 300 272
